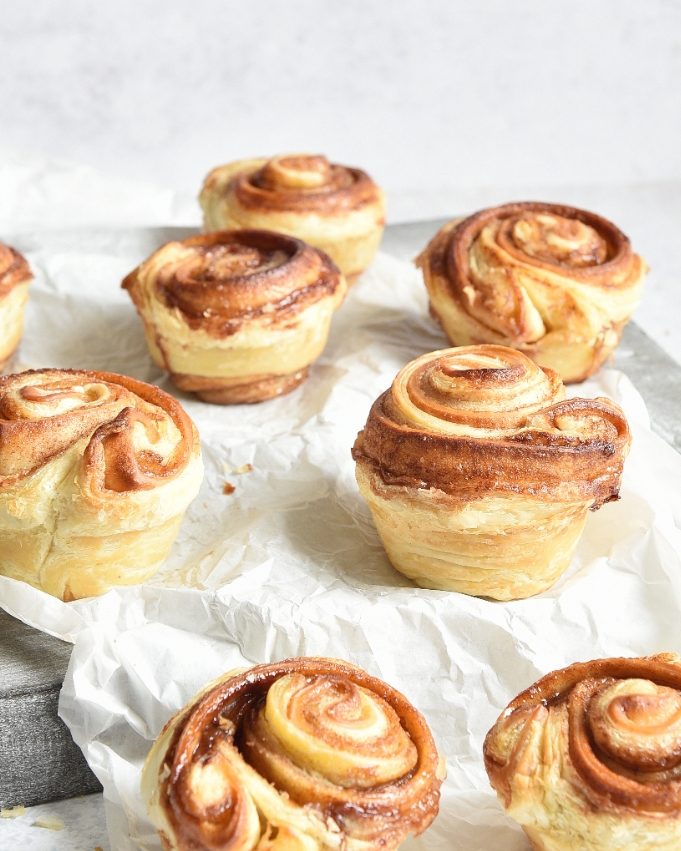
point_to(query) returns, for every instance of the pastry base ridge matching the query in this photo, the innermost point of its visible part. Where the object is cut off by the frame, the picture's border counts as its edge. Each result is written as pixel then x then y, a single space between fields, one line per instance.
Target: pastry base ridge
pixel 234 391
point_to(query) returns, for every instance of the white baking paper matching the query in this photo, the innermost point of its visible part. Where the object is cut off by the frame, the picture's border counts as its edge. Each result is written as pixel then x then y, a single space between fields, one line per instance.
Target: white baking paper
pixel 290 563
pixel 47 193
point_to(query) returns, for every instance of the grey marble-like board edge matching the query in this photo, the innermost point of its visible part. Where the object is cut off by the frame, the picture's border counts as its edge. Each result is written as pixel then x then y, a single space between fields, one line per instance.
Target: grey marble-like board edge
pixel 39 761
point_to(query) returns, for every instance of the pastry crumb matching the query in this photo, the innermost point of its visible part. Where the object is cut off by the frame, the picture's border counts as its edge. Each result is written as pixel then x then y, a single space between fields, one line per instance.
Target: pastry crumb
pixel 245 468
pixel 12 812
pixel 49 822
pixel 98 848
pixel 228 488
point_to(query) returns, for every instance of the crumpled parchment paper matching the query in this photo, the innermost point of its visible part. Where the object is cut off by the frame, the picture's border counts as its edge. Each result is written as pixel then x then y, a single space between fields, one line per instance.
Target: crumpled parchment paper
pixel 290 563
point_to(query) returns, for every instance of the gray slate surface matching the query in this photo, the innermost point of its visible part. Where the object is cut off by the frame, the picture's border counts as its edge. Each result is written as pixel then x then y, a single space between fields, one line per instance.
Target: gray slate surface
pixel 38 760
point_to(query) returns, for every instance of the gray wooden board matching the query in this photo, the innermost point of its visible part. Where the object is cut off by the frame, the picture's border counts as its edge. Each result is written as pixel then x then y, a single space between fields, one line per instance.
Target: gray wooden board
pixel 38 760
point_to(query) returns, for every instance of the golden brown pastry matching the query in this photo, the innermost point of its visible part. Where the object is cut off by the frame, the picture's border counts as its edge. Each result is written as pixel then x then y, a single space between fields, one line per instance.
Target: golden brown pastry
pixel 338 209
pixel 236 316
pixel 96 472
pixel 479 474
pixel 307 754
pixel 589 757
pixel 15 277
pixel 555 282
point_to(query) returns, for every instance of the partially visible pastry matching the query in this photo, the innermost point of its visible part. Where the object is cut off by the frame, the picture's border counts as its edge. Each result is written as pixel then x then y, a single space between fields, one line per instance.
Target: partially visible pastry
pixel 552 281
pixel 589 757
pixel 96 472
pixel 236 316
pixel 15 278
pixel 338 209
pixel 307 754
pixel 479 473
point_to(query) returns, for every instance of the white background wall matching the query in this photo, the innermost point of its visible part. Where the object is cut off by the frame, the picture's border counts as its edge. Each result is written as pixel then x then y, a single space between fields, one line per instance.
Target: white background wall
pixel 451 105
pixel 427 95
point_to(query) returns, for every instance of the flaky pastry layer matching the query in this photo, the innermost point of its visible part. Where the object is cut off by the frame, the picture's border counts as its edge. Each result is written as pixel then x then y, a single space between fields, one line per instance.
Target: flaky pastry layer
pixel 503 547
pixel 589 757
pixel 236 316
pixel 308 754
pixel 96 472
pixel 338 209
pixel 479 473
pixel 555 282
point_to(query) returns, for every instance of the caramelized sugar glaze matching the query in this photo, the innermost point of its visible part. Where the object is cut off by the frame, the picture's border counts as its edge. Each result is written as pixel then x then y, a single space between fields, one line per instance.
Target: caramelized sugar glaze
pixel 14 269
pixel 310 753
pixel 481 418
pixel 555 282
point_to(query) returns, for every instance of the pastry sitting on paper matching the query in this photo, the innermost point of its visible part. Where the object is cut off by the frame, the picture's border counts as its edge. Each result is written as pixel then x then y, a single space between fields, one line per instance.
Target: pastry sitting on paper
pixel 96 472
pixel 308 754
pixel 480 474
pixel 589 757
pixel 338 209
pixel 236 316
pixel 555 282
pixel 15 277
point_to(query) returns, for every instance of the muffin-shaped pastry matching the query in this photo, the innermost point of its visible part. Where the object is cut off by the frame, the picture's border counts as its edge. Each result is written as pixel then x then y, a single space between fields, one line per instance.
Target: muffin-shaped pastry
pixel 479 474
pixel 557 283
pixel 333 207
pixel 589 757
pixel 96 472
pixel 236 316
pixel 15 277
pixel 308 754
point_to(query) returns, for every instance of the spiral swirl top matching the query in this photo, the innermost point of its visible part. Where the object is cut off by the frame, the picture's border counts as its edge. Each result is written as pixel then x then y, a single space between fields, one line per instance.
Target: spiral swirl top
pixel 312 747
pixel 486 418
pixel 219 281
pixel 131 436
pixel 336 729
pixel 472 390
pixel 14 269
pixel 294 182
pixel 554 281
pixel 616 728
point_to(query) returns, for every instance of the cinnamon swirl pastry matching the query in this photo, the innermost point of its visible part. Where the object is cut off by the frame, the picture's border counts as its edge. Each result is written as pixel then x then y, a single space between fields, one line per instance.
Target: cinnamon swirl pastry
pixel 479 474
pixel 236 316
pixel 15 278
pixel 96 472
pixel 589 757
pixel 338 209
pixel 555 282
pixel 308 754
